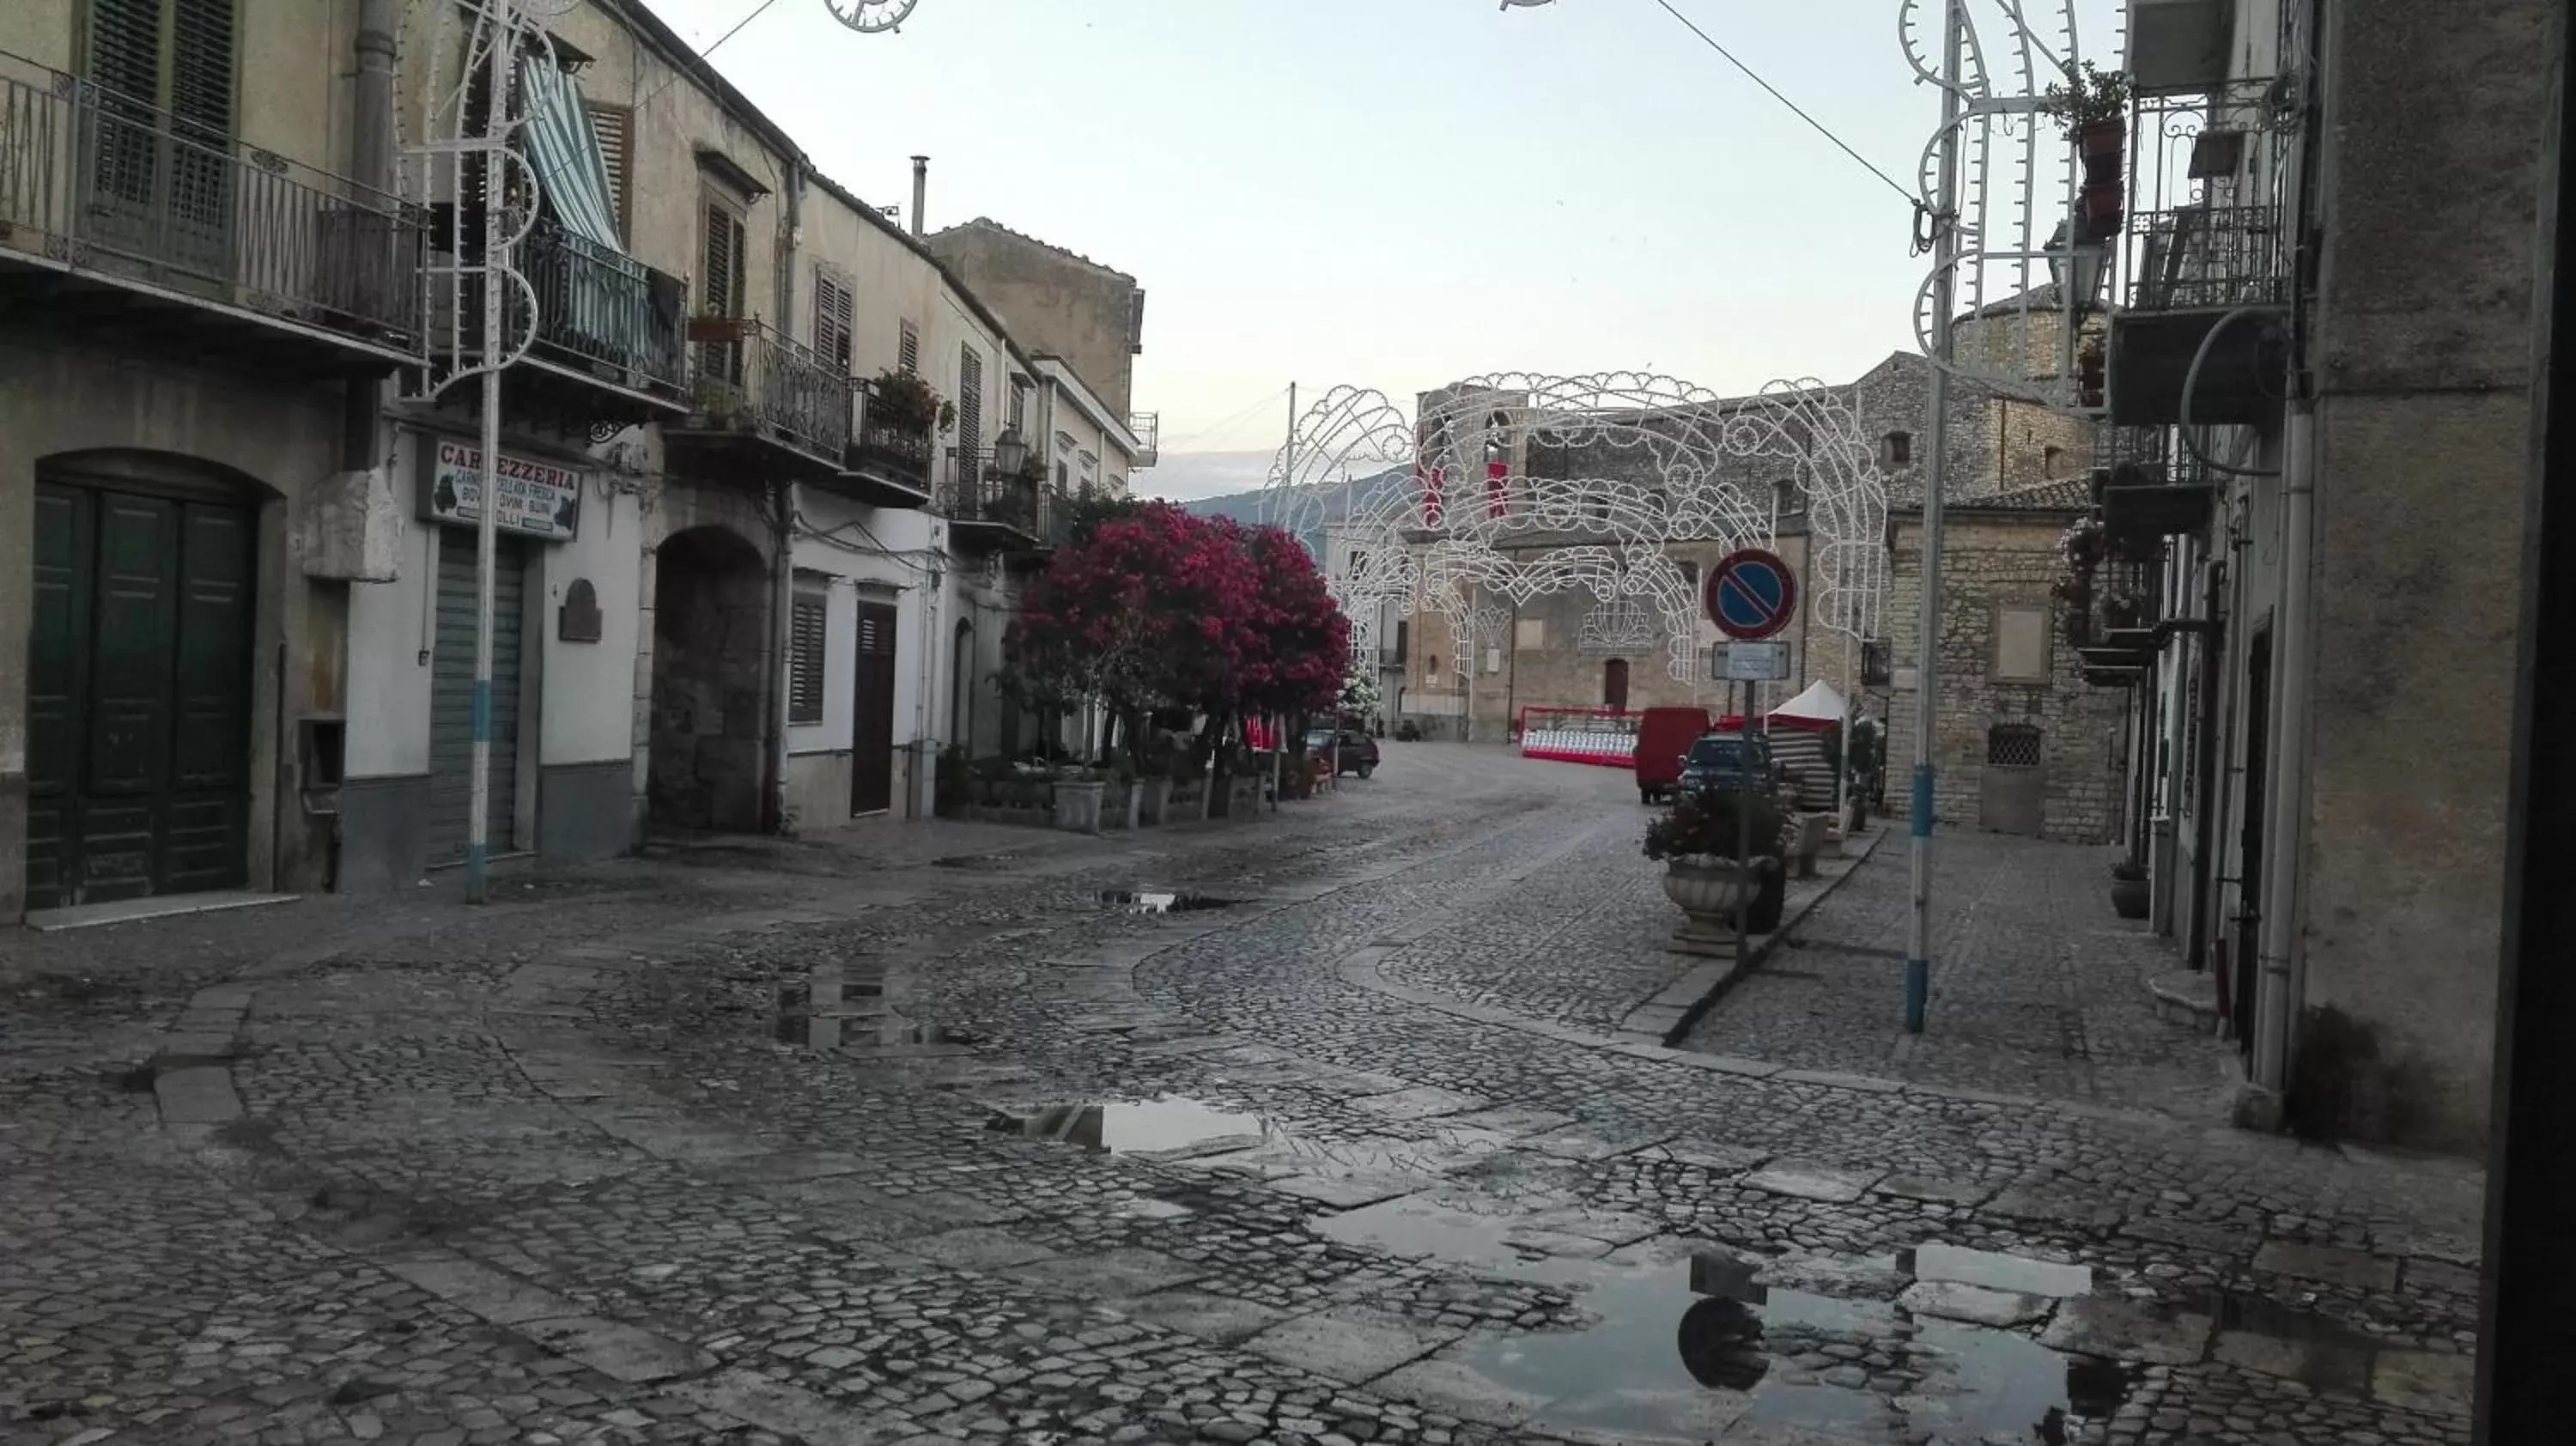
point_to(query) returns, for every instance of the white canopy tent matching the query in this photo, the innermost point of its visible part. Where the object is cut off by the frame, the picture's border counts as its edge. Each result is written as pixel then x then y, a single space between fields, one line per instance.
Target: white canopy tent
pixel 1819 704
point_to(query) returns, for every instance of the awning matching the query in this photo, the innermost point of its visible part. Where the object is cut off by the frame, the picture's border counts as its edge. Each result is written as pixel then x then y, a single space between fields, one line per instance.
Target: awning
pixel 1819 704
pixel 564 152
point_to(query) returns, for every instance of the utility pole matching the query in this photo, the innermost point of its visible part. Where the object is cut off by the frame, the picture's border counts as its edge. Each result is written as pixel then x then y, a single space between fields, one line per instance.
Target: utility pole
pixel 1927 643
pixel 1288 473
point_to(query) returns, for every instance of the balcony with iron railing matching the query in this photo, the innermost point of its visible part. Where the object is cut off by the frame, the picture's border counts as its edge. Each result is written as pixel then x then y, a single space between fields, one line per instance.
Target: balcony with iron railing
pixel 890 457
pixel 760 400
pixel 990 510
pixel 132 223
pixel 2207 242
pixel 1147 429
pixel 610 321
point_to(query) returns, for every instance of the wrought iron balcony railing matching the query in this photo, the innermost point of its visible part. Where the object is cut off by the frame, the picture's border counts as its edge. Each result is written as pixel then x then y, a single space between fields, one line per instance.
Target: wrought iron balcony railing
pixel 749 378
pixel 1147 428
pixel 100 182
pixel 980 493
pixel 883 439
pixel 606 313
pixel 2207 227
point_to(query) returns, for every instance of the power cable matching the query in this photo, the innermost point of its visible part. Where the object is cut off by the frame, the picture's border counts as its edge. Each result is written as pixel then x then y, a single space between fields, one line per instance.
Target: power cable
pixel 1212 430
pixel 1794 108
pixel 677 72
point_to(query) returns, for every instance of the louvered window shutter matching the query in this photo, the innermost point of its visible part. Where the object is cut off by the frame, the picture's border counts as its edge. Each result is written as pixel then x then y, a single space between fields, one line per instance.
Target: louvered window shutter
pixel 805 645
pixel 615 127
pixel 835 317
pixel 970 399
pixel 908 350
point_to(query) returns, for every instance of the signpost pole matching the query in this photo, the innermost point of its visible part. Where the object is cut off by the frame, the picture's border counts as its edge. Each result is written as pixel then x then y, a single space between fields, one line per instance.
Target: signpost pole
pixel 1746 881
pixel 478 824
pixel 1927 640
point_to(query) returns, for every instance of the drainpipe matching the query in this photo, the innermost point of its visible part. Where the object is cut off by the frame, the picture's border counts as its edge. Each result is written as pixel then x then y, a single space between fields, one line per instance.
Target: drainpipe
pixel 2281 985
pixel 371 165
pixel 2211 762
pixel 782 533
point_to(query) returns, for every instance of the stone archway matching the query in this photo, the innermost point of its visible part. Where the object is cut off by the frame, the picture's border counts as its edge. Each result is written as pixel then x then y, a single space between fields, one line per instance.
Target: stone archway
pixel 710 680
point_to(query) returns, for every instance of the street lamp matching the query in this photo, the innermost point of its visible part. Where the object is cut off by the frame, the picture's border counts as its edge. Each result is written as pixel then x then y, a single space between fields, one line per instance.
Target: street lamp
pixel 1010 452
pixel 2077 268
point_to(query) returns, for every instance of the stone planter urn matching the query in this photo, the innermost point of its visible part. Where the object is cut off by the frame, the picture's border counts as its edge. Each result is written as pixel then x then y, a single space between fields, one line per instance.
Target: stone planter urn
pixel 1153 802
pixel 1118 805
pixel 1243 796
pixel 1708 890
pixel 2131 894
pixel 1077 805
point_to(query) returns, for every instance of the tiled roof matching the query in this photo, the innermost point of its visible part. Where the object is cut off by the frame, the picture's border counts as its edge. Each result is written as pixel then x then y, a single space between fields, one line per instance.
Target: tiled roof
pixel 2067 494
pixel 989 224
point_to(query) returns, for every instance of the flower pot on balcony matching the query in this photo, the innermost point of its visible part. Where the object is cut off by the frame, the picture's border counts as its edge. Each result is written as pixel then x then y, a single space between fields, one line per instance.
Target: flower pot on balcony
pixel 718 328
pixel 2104 204
pixel 2104 147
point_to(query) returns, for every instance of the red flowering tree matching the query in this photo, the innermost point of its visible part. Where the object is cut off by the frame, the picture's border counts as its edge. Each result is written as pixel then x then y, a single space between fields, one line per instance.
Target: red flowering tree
pixel 1295 645
pixel 1139 614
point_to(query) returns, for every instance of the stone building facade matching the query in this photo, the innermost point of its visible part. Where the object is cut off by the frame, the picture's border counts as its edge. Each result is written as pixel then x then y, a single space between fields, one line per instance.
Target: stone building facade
pixel 1091 315
pixel 2023 745
pixel 1569 649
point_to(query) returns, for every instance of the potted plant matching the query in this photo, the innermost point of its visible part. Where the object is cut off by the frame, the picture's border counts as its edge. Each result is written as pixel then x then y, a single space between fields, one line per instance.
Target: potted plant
pixel 2092 104
pixel 1078 800
pixel 1721 853
pixel 2130 892
pixel 905 402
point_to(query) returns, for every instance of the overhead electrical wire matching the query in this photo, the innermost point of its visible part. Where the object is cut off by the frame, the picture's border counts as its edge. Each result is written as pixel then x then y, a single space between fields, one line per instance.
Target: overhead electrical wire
pixel 1794 108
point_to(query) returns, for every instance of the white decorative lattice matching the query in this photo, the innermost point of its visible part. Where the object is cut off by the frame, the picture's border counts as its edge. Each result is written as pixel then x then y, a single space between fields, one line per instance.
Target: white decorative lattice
pixel 2016 199
pixel 1510 487
pixel 471 174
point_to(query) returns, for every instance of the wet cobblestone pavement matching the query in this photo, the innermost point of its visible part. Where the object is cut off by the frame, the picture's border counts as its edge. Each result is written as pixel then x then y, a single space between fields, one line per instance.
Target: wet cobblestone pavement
pixel 914 1135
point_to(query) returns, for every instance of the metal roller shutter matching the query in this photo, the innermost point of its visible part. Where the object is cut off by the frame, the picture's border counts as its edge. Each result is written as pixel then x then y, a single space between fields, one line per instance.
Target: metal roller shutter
pixel 451 695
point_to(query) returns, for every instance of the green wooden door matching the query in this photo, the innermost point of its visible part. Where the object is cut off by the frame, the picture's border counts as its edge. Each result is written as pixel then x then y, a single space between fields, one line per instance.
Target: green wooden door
pixel 138 697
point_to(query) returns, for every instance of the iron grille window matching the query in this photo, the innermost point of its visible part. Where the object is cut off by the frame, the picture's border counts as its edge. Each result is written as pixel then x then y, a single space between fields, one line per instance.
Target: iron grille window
pixel 806 631
pixel 2012 745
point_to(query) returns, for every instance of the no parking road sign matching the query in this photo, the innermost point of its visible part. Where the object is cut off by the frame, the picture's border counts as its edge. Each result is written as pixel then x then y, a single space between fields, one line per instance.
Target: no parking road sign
pixel 1751 595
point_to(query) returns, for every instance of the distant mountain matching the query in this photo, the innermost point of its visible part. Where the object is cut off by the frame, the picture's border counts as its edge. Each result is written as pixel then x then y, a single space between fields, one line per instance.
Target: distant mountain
pixel 1249 508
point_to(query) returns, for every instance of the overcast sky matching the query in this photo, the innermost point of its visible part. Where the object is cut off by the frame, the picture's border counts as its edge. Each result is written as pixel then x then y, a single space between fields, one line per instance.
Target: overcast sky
pixel 1395 193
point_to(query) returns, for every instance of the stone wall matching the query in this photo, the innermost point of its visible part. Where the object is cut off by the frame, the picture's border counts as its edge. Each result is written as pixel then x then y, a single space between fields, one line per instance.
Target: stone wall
pixel 1993 560
pixel 1054 302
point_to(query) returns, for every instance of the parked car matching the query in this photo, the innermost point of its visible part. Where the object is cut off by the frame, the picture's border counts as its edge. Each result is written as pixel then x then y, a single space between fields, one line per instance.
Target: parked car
pixel 1730 760
pixel 1358 750
pixel 1663 736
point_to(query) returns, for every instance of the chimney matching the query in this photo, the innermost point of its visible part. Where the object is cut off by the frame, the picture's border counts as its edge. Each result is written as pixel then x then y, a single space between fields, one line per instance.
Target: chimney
pixel 920 191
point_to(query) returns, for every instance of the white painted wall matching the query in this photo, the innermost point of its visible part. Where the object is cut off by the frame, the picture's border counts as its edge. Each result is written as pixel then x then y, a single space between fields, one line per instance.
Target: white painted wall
pixel 862 552
pixel 588 711
pixel 388 709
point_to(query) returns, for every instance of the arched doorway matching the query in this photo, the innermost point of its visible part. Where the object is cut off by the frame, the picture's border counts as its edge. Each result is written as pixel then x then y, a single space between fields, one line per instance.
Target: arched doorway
pixel 1614 685
pixel 140 704
pixel 710 680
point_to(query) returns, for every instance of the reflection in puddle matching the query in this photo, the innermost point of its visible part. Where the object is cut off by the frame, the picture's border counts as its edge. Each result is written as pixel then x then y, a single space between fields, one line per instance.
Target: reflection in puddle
pixel 1140 1127
pixel 1685 1355
pixel 1161 901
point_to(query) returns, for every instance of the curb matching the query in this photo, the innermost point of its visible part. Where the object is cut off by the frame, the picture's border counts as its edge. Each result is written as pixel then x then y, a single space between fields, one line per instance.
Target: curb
pixel 1668 1018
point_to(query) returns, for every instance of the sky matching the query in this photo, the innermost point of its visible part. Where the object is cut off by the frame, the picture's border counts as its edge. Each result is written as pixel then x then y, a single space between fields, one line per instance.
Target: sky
pixel 1396 193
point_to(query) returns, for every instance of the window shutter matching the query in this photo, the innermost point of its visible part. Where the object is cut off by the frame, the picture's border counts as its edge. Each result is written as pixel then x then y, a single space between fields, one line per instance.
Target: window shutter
pixel 834 318
pixel 125 47
pixel 970 399
pixel 721 283
pixel 201 64
pixel 805 653
pixel 907 351
pixel 615 127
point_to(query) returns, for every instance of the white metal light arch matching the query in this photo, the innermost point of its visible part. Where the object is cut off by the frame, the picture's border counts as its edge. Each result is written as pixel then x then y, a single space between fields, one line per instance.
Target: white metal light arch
pixel 1443 512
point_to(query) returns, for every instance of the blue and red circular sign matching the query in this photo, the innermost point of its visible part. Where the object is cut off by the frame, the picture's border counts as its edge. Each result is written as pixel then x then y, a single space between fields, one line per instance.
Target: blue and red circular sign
pixel 1751 595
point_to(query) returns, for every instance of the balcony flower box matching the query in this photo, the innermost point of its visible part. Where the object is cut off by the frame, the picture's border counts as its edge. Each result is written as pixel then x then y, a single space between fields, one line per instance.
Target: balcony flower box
pixel 720 328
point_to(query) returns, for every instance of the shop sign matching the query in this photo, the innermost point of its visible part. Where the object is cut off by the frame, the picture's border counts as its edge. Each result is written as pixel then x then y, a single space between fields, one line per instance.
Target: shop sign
pixel 538 499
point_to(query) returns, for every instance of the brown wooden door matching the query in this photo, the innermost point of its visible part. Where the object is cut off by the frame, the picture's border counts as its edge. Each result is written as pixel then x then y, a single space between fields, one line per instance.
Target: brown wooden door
pixel 872 749
pixel 1614 685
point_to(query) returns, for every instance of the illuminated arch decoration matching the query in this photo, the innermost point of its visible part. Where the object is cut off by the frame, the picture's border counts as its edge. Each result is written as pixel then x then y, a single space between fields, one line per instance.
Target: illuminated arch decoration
pixel 2024 246
pixel 1589 480
pixel 455 163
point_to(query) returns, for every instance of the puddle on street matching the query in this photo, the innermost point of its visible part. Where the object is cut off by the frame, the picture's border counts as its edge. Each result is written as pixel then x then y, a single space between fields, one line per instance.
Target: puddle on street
pixel 1161 901
pixel 829 1010
pixel 1138 1127
pixel 1684 1351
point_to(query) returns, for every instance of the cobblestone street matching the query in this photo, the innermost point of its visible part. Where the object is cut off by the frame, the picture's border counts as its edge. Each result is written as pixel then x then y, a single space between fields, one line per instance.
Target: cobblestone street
pixel 923 1133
